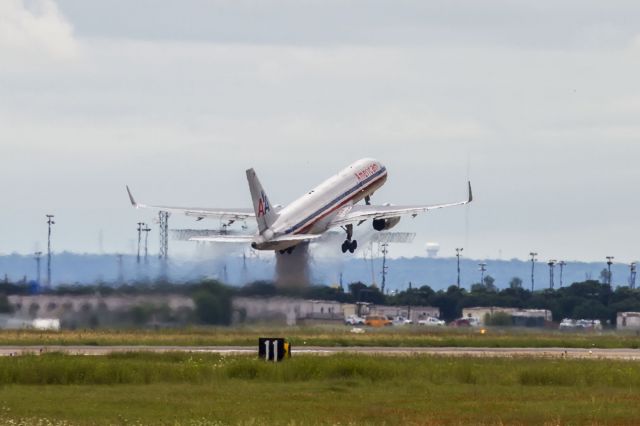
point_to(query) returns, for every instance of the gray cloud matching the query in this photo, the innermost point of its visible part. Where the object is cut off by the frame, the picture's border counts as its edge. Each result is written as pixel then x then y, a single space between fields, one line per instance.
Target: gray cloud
pixel 179 107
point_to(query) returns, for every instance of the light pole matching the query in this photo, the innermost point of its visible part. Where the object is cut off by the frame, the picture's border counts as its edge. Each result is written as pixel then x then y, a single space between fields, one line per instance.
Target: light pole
pixel 632 275
pixel 458 251
pixel 38 254
pixel 533 269
pixel 609 263
pixel 562 264
pixel 552 264
pixel 50 222
pixel 483 269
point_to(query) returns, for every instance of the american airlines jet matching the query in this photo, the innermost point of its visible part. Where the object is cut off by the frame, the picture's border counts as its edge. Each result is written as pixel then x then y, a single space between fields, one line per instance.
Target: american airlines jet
pixel 332 204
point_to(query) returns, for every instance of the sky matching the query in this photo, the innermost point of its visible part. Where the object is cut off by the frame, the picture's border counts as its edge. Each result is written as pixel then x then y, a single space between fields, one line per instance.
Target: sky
pixel 537 103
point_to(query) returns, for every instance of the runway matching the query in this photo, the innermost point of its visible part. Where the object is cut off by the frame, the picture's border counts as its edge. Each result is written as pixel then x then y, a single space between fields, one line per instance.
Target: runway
pixel 624 354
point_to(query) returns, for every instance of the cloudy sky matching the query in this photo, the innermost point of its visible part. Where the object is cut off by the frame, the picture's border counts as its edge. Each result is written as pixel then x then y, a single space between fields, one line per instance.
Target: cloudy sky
pixel 536 102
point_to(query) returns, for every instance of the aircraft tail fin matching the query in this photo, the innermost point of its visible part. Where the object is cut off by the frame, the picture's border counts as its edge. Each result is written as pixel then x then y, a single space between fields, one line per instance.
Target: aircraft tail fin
pixel 265 214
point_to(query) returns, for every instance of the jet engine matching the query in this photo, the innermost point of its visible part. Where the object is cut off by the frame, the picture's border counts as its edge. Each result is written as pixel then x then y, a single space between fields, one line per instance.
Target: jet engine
pixel 384 224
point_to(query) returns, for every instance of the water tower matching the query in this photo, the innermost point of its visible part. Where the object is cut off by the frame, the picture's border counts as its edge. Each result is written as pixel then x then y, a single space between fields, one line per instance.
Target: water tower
pixel 432 249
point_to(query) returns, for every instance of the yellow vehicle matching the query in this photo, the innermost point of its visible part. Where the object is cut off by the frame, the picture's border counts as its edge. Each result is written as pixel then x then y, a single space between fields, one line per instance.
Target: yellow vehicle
pixel 377 321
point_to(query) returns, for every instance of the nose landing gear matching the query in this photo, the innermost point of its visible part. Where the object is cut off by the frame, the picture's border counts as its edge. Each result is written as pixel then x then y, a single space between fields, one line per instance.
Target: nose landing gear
pixel 349 244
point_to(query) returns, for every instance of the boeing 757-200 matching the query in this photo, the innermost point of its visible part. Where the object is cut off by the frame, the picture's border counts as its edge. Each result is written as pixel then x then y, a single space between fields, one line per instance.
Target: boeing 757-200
pixel 333 203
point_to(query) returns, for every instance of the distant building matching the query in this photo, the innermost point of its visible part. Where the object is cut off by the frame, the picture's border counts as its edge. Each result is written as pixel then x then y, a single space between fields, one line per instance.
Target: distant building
pixel 414 313
pixel 520 317
pixel 299 311
pixel 287 310
pixel 628 321
pixel 54 306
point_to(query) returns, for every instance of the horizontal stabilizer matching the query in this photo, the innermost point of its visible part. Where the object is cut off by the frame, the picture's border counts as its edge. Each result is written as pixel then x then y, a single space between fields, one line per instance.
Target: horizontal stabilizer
pixel 224 239
pixel 295 238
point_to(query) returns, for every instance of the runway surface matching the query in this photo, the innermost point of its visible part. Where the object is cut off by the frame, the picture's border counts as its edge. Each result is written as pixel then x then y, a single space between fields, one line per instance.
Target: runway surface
pixel 628 354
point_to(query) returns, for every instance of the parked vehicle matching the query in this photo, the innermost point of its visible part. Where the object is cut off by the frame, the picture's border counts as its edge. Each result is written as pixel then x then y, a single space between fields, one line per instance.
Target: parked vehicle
pixel 400 320
pixel 354 320
pixel 377 321
pixel 431 321
pixel 465 322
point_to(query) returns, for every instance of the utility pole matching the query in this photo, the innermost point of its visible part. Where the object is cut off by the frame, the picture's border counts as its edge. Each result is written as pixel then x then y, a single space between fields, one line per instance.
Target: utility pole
pixel 483 269
pixel 384 265
pixel 38 254
pixel 632 275
pixel 140 226
pixel 458 251
pixel 609 263
pixel 552 264
pixel 533 269
pixel 50 222
pixel 562 264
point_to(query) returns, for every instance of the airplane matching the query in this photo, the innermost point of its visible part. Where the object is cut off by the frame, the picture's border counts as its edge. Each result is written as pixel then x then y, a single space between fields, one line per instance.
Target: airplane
pixel 332 204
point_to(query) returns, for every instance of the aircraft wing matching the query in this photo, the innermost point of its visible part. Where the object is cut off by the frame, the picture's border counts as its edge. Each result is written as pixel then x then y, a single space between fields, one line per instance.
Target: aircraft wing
pixel 197 212
pixel 358 213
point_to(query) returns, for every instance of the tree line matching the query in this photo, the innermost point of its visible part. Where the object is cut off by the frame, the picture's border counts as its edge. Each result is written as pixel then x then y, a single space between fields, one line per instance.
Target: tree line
pixel 589 299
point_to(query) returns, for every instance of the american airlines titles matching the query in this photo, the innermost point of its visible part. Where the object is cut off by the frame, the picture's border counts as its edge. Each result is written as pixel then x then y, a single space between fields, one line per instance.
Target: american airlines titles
pixel 367 172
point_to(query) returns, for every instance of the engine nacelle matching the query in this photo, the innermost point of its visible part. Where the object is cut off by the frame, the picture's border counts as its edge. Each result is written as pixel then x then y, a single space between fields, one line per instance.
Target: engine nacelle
pixel 384 224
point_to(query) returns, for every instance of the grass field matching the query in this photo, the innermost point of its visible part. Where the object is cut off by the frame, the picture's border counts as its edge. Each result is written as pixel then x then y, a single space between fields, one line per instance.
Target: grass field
pixel 327 336
pixel 206 389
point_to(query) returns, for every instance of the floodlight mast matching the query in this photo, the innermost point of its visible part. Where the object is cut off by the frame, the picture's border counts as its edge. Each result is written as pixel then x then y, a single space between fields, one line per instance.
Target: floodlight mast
pixel 533 269
pixel 562 264
pixel 552 264
pixel 140 226
pixel 50 222
pixel 458 252
pixel 146 231
pixel 632 275
pixel 385 268
pixel 483 269
pixel 609 263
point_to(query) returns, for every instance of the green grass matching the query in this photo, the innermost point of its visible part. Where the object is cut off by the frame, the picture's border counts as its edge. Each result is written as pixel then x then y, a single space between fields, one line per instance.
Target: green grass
pixel 178 388
pixel 326 336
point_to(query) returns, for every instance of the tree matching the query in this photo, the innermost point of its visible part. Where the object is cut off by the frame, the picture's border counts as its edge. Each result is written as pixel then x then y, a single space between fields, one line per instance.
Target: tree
pixel 515 283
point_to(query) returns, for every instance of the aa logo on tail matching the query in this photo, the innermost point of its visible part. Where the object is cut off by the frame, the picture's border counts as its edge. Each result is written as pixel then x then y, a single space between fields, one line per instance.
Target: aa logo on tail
pixel 263 204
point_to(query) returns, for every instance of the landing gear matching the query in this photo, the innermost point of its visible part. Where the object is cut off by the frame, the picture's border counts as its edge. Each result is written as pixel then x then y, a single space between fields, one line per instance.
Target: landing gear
pixel 288 251
pixel 349 244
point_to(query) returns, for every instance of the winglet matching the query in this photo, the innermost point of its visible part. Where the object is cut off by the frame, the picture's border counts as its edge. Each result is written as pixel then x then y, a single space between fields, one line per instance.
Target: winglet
pixel 133 201
pixel 470 193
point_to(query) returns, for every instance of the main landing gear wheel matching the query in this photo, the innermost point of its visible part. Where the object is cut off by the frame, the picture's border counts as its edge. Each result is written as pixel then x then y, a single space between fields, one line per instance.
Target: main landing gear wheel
pixel 349 246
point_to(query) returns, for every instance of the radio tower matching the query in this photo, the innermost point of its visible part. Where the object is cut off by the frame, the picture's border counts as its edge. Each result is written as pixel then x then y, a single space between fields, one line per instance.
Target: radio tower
pixel 163 221
pixel 50 222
